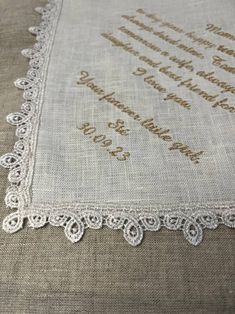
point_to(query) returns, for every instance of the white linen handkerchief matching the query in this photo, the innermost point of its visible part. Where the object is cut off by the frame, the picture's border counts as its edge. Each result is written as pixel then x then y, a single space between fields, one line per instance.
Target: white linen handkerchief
pixel 127 120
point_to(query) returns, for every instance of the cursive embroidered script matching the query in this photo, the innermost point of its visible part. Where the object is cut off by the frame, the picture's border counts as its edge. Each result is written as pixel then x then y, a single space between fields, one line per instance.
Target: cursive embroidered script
pixel 104 142
pixel 148 124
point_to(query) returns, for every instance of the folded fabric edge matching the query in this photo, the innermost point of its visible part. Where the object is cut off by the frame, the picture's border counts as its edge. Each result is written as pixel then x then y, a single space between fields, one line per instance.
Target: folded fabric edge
pixel 20 162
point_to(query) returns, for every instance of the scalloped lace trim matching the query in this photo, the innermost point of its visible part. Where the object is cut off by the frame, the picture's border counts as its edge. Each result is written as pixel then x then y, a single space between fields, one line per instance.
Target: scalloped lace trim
pixel 76 218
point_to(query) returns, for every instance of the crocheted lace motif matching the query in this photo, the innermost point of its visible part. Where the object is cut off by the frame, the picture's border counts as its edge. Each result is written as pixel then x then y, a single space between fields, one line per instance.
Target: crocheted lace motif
pixel 75 218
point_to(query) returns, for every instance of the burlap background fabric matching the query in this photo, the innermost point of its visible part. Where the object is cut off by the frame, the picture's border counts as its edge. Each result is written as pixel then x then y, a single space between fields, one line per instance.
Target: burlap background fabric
pixel 42 272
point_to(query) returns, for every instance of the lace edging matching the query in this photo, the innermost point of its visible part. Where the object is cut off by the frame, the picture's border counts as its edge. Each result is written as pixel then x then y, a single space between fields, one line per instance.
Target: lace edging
pixel 20 161
pixel 75 220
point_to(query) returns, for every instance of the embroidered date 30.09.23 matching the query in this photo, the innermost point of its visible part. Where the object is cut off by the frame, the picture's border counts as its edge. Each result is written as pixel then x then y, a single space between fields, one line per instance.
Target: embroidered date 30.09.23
pixel 104 142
